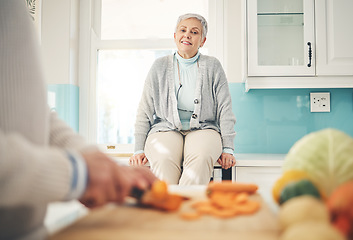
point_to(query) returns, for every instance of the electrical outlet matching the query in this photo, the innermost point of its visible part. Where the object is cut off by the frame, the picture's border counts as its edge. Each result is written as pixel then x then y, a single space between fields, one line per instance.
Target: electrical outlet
pixel 320 102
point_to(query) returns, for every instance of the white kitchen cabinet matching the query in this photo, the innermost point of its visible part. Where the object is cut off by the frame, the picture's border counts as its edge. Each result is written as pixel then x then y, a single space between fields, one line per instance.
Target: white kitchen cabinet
pixel 299 44
pixel 264 177
pixel 261 169
pixel 334 37
pixel 280 35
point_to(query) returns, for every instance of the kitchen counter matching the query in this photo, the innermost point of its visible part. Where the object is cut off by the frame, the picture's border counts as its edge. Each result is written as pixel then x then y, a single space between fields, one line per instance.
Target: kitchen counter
pixel 130 222
pixel 259 160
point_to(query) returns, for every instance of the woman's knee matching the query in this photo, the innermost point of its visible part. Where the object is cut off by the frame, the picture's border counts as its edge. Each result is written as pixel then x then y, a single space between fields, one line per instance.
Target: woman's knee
pixel 166 163
pixel 167 170
pixel 206 142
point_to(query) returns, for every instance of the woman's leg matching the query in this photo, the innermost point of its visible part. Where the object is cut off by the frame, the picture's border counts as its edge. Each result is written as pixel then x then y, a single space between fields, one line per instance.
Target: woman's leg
pixel 164 151
pixel 202 149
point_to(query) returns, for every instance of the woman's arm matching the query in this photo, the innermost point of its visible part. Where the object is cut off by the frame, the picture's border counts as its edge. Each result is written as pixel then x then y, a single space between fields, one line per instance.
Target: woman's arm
pixel 33 174
pixel 225 115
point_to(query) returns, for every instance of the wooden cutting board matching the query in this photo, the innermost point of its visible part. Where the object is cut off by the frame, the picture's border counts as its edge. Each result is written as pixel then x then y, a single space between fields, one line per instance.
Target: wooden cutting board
pixel 130 222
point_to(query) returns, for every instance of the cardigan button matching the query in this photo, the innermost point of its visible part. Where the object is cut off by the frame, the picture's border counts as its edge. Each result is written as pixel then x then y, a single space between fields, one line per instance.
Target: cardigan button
pixel 194 116
pixel 196 101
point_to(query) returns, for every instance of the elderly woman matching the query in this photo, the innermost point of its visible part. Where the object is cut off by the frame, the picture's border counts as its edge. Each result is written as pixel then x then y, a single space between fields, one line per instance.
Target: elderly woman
pixel 185 115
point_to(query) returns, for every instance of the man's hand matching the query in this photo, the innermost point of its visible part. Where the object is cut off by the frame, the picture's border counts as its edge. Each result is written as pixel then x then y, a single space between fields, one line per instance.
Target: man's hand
pixel 109 182
pixel 226 160
pixel 138 160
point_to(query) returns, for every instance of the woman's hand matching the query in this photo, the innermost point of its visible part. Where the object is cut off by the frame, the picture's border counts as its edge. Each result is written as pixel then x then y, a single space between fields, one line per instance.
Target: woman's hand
pixel 226 160
pixel 138 160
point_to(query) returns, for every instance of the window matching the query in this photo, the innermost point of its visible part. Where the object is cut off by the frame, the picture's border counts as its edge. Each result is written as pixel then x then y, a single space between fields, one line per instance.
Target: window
pixel 127 37
pixel 121 75
pixel 145 19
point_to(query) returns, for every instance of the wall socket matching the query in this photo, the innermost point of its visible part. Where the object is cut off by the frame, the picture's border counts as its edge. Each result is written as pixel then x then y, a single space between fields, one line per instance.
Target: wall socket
pixel 320 102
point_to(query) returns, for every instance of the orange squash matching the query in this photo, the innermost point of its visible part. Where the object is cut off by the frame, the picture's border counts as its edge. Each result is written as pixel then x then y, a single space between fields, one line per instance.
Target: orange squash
pixel 340 205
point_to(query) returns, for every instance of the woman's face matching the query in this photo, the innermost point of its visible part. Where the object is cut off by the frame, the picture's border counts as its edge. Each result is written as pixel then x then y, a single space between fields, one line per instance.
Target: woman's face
pixel 188 37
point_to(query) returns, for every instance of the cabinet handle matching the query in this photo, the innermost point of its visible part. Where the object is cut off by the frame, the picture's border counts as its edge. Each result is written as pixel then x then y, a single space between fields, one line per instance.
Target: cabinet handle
pixel 310 54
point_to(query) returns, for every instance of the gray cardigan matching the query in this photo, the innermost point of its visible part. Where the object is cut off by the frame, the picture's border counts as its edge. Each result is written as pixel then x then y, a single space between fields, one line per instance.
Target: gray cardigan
pixel 158 111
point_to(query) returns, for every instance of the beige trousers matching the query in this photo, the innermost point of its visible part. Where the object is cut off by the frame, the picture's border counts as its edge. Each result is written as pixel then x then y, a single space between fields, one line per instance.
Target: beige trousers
pixel 196 151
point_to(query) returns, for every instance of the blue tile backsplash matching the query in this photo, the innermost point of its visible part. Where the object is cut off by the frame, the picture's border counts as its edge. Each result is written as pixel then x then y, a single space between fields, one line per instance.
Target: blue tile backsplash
pixel 64 99
pixel 268 121
pixel 271 121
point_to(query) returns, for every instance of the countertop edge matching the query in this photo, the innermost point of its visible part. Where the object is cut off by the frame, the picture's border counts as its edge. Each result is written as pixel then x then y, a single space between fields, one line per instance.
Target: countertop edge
pixel 259 160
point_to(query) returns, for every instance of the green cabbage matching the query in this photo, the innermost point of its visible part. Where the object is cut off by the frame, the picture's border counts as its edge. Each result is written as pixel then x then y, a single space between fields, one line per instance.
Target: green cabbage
pixel 326 156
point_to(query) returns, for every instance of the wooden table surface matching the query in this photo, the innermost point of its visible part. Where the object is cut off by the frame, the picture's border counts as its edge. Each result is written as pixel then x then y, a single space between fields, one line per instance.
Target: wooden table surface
pixel 130 222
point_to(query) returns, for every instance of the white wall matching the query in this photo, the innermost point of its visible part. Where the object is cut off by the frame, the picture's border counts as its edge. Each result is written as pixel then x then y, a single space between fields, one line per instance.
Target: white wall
pixel 234 42
pixel 59 40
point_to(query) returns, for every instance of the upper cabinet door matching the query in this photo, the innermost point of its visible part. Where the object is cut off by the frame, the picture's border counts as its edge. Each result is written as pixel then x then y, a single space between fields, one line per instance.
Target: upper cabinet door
pixel 334 36
pixel 281 38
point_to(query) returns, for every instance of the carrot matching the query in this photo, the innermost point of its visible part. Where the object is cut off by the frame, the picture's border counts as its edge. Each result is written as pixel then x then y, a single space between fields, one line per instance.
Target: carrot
pixel 172 203
pixel 159 189
pixel 248 207
pixel 222 199
pixel 190 215
pixel 243 208
pixel 205 208
pixel 229 186
pixel 159 198
pixel 241 198
pixel 199 204
pixel 226 199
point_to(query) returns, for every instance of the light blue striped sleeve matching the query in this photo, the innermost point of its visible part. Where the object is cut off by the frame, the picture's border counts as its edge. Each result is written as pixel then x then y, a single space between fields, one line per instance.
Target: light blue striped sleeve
pixel 228 150
pixel 79 176
pixel 138 152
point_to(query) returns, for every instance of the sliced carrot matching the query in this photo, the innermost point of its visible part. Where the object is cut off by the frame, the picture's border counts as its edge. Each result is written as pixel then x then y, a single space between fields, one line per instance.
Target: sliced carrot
pixel 190 215
pixel 200 203
pixel 205 208
pixel 241 198
pixel 221 199
pixel 248 207
pixel 226 199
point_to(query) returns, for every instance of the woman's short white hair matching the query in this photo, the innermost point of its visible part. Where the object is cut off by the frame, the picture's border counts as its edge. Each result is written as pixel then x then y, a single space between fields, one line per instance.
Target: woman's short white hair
pixel 198 17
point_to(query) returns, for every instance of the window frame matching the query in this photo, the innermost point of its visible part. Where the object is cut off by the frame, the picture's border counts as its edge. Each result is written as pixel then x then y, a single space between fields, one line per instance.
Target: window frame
pixel 90 44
